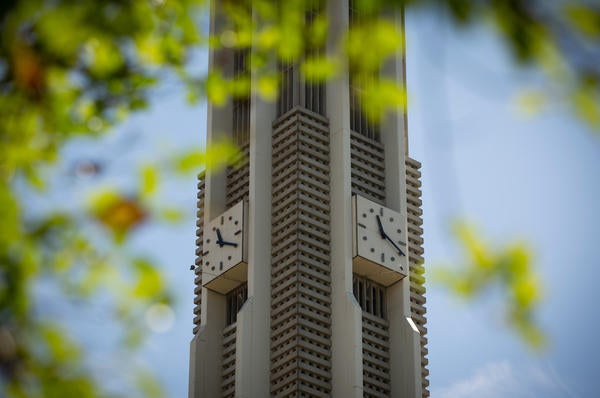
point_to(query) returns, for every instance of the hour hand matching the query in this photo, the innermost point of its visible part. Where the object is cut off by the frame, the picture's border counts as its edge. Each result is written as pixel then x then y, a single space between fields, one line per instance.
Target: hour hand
pixel 221 242
pixel 219 238
pixel 381 231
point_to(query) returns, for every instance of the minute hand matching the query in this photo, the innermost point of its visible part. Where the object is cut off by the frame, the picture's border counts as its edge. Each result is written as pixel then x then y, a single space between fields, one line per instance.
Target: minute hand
pixel 394 244
pixel 385 236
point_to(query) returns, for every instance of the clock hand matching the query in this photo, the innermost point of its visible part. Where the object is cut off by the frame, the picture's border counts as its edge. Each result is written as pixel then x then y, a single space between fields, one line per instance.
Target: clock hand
pixel 221 242
pixel 385 236
pixel 219 238
pixel 381 231
pixel 394 244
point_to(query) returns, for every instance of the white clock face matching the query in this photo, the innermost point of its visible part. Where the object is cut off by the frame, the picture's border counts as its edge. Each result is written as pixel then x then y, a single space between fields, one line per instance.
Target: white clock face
pixel 379 235
pixel 223 243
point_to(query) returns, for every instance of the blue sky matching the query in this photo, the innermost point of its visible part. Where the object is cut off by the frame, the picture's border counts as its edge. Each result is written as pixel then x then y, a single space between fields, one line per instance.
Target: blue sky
pixel 515 177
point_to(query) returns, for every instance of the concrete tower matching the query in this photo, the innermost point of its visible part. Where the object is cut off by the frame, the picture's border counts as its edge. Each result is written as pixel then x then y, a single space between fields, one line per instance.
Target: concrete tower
pixel 309 269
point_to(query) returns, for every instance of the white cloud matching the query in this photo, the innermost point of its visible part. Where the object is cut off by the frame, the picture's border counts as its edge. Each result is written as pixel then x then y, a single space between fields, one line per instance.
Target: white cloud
pixel 501 379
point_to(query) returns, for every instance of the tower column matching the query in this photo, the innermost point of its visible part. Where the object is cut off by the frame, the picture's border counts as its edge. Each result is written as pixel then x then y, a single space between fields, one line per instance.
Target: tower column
pixel 254 319
pixel 405 339
pixel 346 314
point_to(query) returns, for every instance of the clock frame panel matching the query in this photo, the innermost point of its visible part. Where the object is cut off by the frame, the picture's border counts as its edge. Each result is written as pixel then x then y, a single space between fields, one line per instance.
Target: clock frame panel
pixel 373 256
pixel 225 267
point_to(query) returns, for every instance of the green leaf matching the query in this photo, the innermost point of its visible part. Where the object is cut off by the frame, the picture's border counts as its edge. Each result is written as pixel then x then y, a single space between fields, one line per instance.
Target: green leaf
pixel 171 215
pixel 530 103
pixel 149 279
pixel 268 37
pixel 584 18
pixel 508 269
pixel 586 102
pixel 319 69
pixel 267 87
pixel 381 96
pixel 378 38
pixel 216 88
pixel 219 154
pixel 116 212
pixel 150 178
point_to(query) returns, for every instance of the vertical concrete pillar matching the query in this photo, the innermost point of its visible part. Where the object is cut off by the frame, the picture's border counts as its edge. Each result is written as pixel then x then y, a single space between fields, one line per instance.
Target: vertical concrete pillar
pixel 405 348
pixel 346 315
pixel 254 319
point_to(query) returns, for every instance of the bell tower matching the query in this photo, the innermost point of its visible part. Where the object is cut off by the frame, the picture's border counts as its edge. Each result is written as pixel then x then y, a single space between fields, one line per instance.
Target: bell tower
pixel 309 276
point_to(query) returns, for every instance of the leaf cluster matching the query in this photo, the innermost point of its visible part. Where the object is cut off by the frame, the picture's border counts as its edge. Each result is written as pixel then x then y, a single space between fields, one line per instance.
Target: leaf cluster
pixel 70 69
pixel 509 269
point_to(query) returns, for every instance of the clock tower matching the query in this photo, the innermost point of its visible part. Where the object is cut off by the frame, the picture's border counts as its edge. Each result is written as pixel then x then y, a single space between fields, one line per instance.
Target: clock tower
pixel 309 276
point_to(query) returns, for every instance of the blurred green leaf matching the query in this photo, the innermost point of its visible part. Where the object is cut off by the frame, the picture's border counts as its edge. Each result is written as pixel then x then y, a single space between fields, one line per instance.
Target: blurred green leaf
pixel 150 178
pixel 319 69
pixel 378 38
pixel 149 279
pixel 586 102
pixel 268 37
pixel 116 212
pixel 149 387
pixel 509 269
pixel 530 103
pixel 380 96
pixel 216 156
pixel 584 18
pixel 171 214
pixel 268 86
pixel 216 88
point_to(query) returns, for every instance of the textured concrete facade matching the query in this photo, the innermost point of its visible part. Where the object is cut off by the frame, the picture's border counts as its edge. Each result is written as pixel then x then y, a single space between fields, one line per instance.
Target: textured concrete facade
pixel 305 321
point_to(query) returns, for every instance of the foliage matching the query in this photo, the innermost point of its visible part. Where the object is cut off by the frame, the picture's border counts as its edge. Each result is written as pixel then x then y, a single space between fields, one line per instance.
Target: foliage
pixel 510 270
pixel 560 38
pixel 73 68
pixel 70 69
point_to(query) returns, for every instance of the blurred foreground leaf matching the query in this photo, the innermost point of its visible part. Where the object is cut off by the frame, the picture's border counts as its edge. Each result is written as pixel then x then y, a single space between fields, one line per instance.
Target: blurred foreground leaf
pixel 217 155
pixel 116 212
pixel 509 270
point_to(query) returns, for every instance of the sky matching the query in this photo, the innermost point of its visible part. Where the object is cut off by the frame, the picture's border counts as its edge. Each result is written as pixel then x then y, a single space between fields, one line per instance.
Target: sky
pixel 516 177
